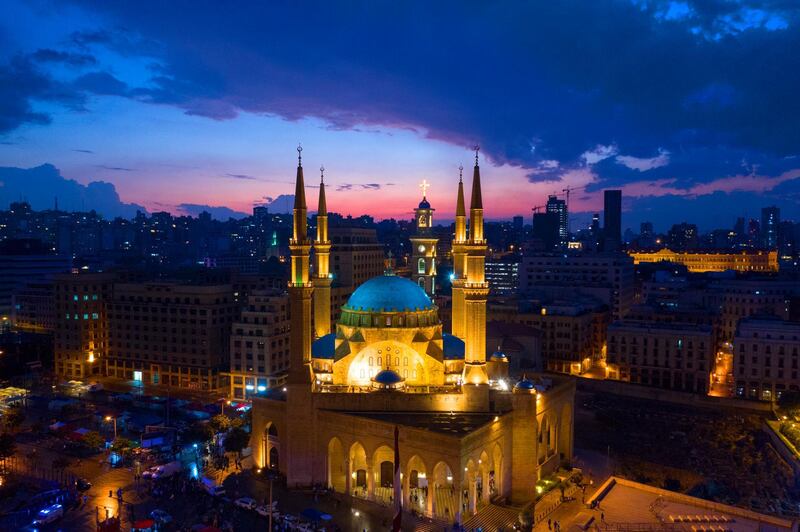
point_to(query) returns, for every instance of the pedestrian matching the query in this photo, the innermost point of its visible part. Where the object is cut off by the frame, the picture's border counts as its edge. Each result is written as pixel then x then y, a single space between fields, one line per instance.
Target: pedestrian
pixel 549 524
pixel 603 517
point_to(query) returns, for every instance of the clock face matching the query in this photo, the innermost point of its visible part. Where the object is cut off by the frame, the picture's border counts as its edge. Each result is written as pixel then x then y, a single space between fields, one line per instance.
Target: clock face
pixel 421 248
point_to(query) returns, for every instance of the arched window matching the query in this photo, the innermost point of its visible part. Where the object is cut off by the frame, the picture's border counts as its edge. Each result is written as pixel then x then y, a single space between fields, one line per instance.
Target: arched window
pixel 421 266
pixel 380 361
pixel 371 361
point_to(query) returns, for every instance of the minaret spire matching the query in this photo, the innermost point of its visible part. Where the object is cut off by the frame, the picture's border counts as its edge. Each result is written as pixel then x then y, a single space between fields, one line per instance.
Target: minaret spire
pixel 476 289
pixel 476 204
pixel 322 278
pixel 322 209
pixel 459 250
pixel 461 212
pixel 299 186
pixel 300 382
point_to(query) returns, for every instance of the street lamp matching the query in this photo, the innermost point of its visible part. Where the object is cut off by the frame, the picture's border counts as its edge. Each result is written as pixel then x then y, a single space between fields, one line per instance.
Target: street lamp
pixel 222 406
pixel 109 418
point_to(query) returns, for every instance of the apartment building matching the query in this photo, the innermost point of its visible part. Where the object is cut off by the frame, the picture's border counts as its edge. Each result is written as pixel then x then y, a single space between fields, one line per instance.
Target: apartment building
pixel 766 351
pixel 260 344
pixel 81 328
pixel 675 356
pixel 606 276
pixel 171 334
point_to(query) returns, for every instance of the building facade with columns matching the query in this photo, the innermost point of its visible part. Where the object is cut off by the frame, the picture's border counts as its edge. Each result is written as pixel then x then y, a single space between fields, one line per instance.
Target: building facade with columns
pixel 466 434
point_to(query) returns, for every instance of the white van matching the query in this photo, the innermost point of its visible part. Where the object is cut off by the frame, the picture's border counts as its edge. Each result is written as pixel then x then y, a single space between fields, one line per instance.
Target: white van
pixel 167 470
pixel 211 487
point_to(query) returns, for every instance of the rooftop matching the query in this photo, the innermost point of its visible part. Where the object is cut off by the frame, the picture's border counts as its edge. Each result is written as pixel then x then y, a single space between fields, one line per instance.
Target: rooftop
pixel 627 504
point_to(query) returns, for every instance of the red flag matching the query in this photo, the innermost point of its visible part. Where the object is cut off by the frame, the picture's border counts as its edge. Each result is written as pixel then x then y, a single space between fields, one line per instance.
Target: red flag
pixel 398 489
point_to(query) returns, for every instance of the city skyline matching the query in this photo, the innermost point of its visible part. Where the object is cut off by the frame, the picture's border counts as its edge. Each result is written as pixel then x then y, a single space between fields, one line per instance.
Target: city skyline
pixel 173 113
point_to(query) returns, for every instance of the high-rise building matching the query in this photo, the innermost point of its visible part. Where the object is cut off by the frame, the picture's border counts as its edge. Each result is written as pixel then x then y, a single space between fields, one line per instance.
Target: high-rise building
pixel 519 224
pixel 682 236
pixel 770 224
pixel 546 230
pixel 81 335
pixel 559 208
pixel 502 274
pixel 170 334
pixel 423 247
pixel 260 345
pixel 23 261
pixel 612 220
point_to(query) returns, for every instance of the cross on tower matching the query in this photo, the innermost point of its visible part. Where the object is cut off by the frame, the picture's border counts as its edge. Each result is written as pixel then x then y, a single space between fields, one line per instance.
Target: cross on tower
pixel 424 186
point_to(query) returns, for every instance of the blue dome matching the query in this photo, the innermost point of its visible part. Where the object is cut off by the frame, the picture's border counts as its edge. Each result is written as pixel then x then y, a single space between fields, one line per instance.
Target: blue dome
pixel 387 377
pixel 389 293
pixel 324 346
pixel 499 355
pixel 524 386
pixel 424 204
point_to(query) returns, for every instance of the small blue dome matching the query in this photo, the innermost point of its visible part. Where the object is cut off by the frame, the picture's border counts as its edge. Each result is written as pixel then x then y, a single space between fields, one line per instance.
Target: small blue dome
pixel 389 293
pixel 424 204
pixel 499 355
pixel 524 386
pixel 453 347
pixel 324 346
pixel 387 377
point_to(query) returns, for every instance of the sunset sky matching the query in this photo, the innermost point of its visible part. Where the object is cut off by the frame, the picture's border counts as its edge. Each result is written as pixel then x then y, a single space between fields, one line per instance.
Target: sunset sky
pixel 690 107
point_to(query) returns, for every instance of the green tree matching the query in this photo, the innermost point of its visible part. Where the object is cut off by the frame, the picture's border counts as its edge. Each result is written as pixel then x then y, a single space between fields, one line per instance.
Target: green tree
pixel 8 446
pixel 93 440
pixel 236 440
pixel 122 446
pixel 220 423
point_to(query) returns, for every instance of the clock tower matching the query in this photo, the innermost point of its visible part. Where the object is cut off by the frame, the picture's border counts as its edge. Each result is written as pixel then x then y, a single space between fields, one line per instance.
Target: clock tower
pixel 423 245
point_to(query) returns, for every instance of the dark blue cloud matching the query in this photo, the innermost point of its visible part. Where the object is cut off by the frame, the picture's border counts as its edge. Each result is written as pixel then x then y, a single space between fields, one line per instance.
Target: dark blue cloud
pixel 48 55
pixel 42 184
pixel 713 83
pixel 21 84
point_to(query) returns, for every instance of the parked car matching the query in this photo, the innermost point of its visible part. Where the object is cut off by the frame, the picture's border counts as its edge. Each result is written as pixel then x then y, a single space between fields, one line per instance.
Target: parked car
pixel 264 510
pixel 49 514
pixel 81 484
pixel 160 517
pixel 247 503
pixel 148 473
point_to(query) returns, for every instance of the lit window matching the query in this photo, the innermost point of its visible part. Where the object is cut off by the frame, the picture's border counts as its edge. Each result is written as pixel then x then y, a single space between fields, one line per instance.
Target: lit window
pixel 421 266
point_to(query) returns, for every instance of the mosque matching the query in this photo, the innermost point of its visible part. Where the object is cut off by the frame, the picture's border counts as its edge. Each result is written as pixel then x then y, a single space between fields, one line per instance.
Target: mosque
pixel 385 381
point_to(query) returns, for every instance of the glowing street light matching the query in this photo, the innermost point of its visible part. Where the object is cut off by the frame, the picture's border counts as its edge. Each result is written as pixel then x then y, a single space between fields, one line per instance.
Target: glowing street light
pixel 109 418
